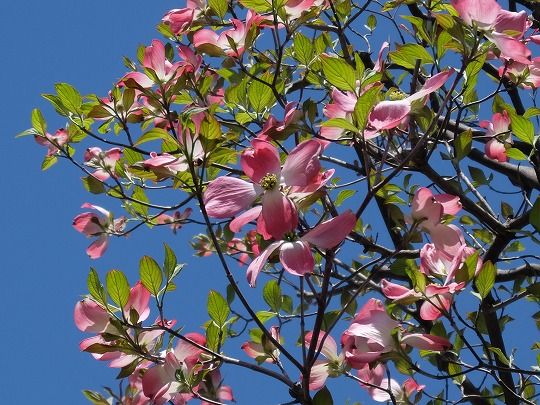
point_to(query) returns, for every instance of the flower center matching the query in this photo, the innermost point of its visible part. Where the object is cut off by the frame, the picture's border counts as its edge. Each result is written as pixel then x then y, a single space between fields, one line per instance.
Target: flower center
pixel 269 181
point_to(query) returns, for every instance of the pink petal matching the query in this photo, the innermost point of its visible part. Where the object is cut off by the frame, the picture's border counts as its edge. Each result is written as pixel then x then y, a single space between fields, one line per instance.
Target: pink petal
pixel 388 114
pixel 496 150
pixel 331 233
pixel 98 247
pixel 425 341
pixel 89 316
pixel 257 265
pixel 205 36
pixel 279 213
pixel 511 48
pixel 398 292
pixel 87 223
pixel 515 24
pixel 261 159
pixel 296 257
pixel 154 58
pixel 318 375
pixel 449 202
pixel 237 223
pixel 425 207
pixel 447 238
pixel 329 347
pixel 139 297
pixel 483 12
pixel 432 84
pixel 227 196
pixel 302 164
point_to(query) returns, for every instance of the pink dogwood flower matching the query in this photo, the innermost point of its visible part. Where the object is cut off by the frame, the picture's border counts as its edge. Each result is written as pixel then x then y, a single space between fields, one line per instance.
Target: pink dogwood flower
pixel 53 142
pixel 216 45
pixel 165 165
pixel 179 20
pixel 212 388
pixel 160 383
pixel 295 255
pixel 279 130
pixel 265 351
pixel 93 225
pixel 228 196
pixel 504 28
pixel 369 335
pixel 379 386
pixel 437 298
pixel 103 162
pixel 499 131
pixel 176 221
pixel 389 114
pixel 427 211
pixel 333 366
pixel 155 61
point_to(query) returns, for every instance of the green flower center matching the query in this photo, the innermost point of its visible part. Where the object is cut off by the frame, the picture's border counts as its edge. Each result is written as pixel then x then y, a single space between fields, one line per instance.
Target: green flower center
pixel 269 181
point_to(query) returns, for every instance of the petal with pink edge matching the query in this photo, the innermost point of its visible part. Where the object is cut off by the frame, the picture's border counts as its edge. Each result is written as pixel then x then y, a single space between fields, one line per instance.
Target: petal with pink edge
pixel 331 233
pixel 279 213
pixel 250 215
pixel 257 265
pixel 296 257
pixel 425 341
pixel 98 247
pixel 318 375
pixel 388 114
pixel 261 159
pixel 227 196
pixel 302 165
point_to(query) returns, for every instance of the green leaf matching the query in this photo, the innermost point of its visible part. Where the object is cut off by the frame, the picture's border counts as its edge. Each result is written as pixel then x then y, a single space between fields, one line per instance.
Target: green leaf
pixel 407 55
pixel 150 275
pixel 485 279
pixel 339 73
pixel 69 97
pixel 417 278
pixel 340 123
pixel 467 270
pixel 323 397
pixel 523 128
pixel 343 195
pixel 462 144
pixel 48 162
pixel 534 216
pixel 303 49
pixel 210 128
pixel 272 295
pixel 118 287
pixel 95 397
pixel 364 105
pixel 264 316
pixel 454 368
pixel 219 7
pixel 371 22
pixel 260 95
pixel 260 6
pixel 170 261
pixel 38 121
pixel 140 195
pixel 478 176
pixel 93 185
pixel 95 288
pixel 514 153
pixel 152 135
pixel 218 309
pixel 500 355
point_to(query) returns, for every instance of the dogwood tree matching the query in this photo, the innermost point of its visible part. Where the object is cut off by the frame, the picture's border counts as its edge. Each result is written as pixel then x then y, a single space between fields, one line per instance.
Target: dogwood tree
pixel 371 166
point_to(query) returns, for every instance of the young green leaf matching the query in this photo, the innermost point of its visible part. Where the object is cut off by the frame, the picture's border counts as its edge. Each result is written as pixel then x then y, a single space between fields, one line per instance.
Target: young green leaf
pixel 150 274
pixel 272 295
pixel 218 309
pixel 118 287
pixel 485 279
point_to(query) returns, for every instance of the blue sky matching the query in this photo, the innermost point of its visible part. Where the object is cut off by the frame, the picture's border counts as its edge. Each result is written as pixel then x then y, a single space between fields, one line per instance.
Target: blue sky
pixel 44 266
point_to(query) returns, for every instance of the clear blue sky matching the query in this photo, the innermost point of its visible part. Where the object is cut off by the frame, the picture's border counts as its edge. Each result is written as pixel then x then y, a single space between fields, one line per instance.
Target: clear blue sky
pixel 44 266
